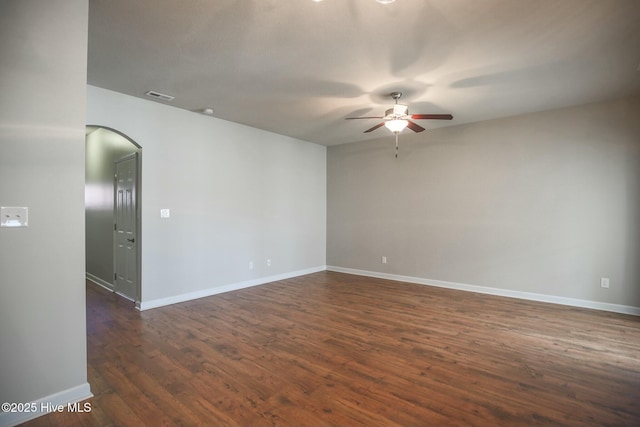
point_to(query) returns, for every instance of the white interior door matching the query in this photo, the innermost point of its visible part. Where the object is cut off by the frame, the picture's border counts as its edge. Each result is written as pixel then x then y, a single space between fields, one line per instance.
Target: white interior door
pixel 125 230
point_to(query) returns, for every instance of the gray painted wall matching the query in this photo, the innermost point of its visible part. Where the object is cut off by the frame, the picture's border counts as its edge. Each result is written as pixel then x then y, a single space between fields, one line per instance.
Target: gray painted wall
pixel 545 203
pixel 103 148
pixel 43 46
pixel 236 195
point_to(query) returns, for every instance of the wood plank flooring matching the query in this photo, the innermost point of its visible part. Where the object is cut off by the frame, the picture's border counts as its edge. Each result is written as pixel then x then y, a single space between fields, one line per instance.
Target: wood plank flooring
pixel 343 350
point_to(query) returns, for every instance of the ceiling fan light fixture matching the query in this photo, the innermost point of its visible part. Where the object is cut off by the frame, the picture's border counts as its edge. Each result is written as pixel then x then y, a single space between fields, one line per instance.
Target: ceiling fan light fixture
pixel 396 125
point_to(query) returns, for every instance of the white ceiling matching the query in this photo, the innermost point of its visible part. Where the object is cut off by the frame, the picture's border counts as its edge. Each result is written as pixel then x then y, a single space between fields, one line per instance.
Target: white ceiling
pixel 299 67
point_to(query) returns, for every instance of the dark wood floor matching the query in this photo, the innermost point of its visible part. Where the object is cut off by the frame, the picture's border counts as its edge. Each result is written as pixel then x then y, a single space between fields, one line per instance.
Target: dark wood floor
pixel 343 350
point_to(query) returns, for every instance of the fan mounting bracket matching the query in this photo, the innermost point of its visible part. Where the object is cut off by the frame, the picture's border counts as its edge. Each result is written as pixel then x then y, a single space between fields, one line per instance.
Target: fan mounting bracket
pixel 395 95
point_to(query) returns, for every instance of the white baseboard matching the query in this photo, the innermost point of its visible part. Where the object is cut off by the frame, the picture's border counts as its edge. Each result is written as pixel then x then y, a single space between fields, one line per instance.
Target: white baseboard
pixel 99 281
pixel 574 302
pixel 46 404
pixel 146 305
pixel 109 286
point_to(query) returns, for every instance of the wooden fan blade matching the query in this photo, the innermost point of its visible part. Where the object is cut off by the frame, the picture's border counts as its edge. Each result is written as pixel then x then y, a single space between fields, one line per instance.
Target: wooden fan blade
pixel 374 128
pixel 414 126
pixel 432 116
pixel 355 118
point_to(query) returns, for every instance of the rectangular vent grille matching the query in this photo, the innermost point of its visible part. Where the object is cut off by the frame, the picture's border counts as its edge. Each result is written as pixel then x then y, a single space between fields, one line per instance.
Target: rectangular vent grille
pixel 158 95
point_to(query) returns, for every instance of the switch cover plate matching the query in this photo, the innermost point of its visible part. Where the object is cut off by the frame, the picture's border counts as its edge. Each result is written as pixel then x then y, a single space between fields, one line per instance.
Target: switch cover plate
pixel 14 216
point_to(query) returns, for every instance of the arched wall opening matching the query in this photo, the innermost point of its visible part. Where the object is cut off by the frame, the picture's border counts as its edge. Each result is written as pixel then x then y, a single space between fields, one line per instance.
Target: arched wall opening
pixel 104 148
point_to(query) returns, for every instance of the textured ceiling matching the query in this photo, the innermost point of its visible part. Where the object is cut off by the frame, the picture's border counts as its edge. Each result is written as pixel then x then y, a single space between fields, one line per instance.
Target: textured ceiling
pixel 298 67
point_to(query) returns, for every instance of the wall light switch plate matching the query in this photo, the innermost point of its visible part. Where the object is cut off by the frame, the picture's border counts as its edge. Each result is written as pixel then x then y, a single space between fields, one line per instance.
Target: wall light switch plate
pixel 14 216
pixel 165 213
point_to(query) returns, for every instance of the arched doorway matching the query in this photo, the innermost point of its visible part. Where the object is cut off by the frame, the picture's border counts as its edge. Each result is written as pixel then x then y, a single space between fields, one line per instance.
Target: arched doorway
pixel 112 211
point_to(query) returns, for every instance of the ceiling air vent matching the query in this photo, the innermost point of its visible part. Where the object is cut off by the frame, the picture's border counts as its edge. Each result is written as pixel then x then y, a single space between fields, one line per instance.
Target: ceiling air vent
pixel 158 95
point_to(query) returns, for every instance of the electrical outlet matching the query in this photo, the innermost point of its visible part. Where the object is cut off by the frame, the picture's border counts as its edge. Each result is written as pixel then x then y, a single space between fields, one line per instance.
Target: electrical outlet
pixel 268 262
pixel 604 282
pixel 250 265
pixel 384 260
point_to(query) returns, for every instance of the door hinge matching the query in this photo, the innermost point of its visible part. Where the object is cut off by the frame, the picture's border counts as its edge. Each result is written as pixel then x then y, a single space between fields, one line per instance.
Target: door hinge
pixel 115 227
pixel 115 276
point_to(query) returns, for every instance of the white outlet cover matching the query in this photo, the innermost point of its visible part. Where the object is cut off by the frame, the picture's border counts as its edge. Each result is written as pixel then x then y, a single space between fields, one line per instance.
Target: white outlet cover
pixel 165 213
pixel 14 216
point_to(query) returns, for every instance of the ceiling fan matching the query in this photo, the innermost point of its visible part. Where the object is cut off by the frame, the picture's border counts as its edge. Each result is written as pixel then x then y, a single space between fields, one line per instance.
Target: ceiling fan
pixel 397 118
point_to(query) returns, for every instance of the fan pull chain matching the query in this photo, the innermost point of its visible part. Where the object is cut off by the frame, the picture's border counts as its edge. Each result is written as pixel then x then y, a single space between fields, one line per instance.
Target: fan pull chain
pixel 396 145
